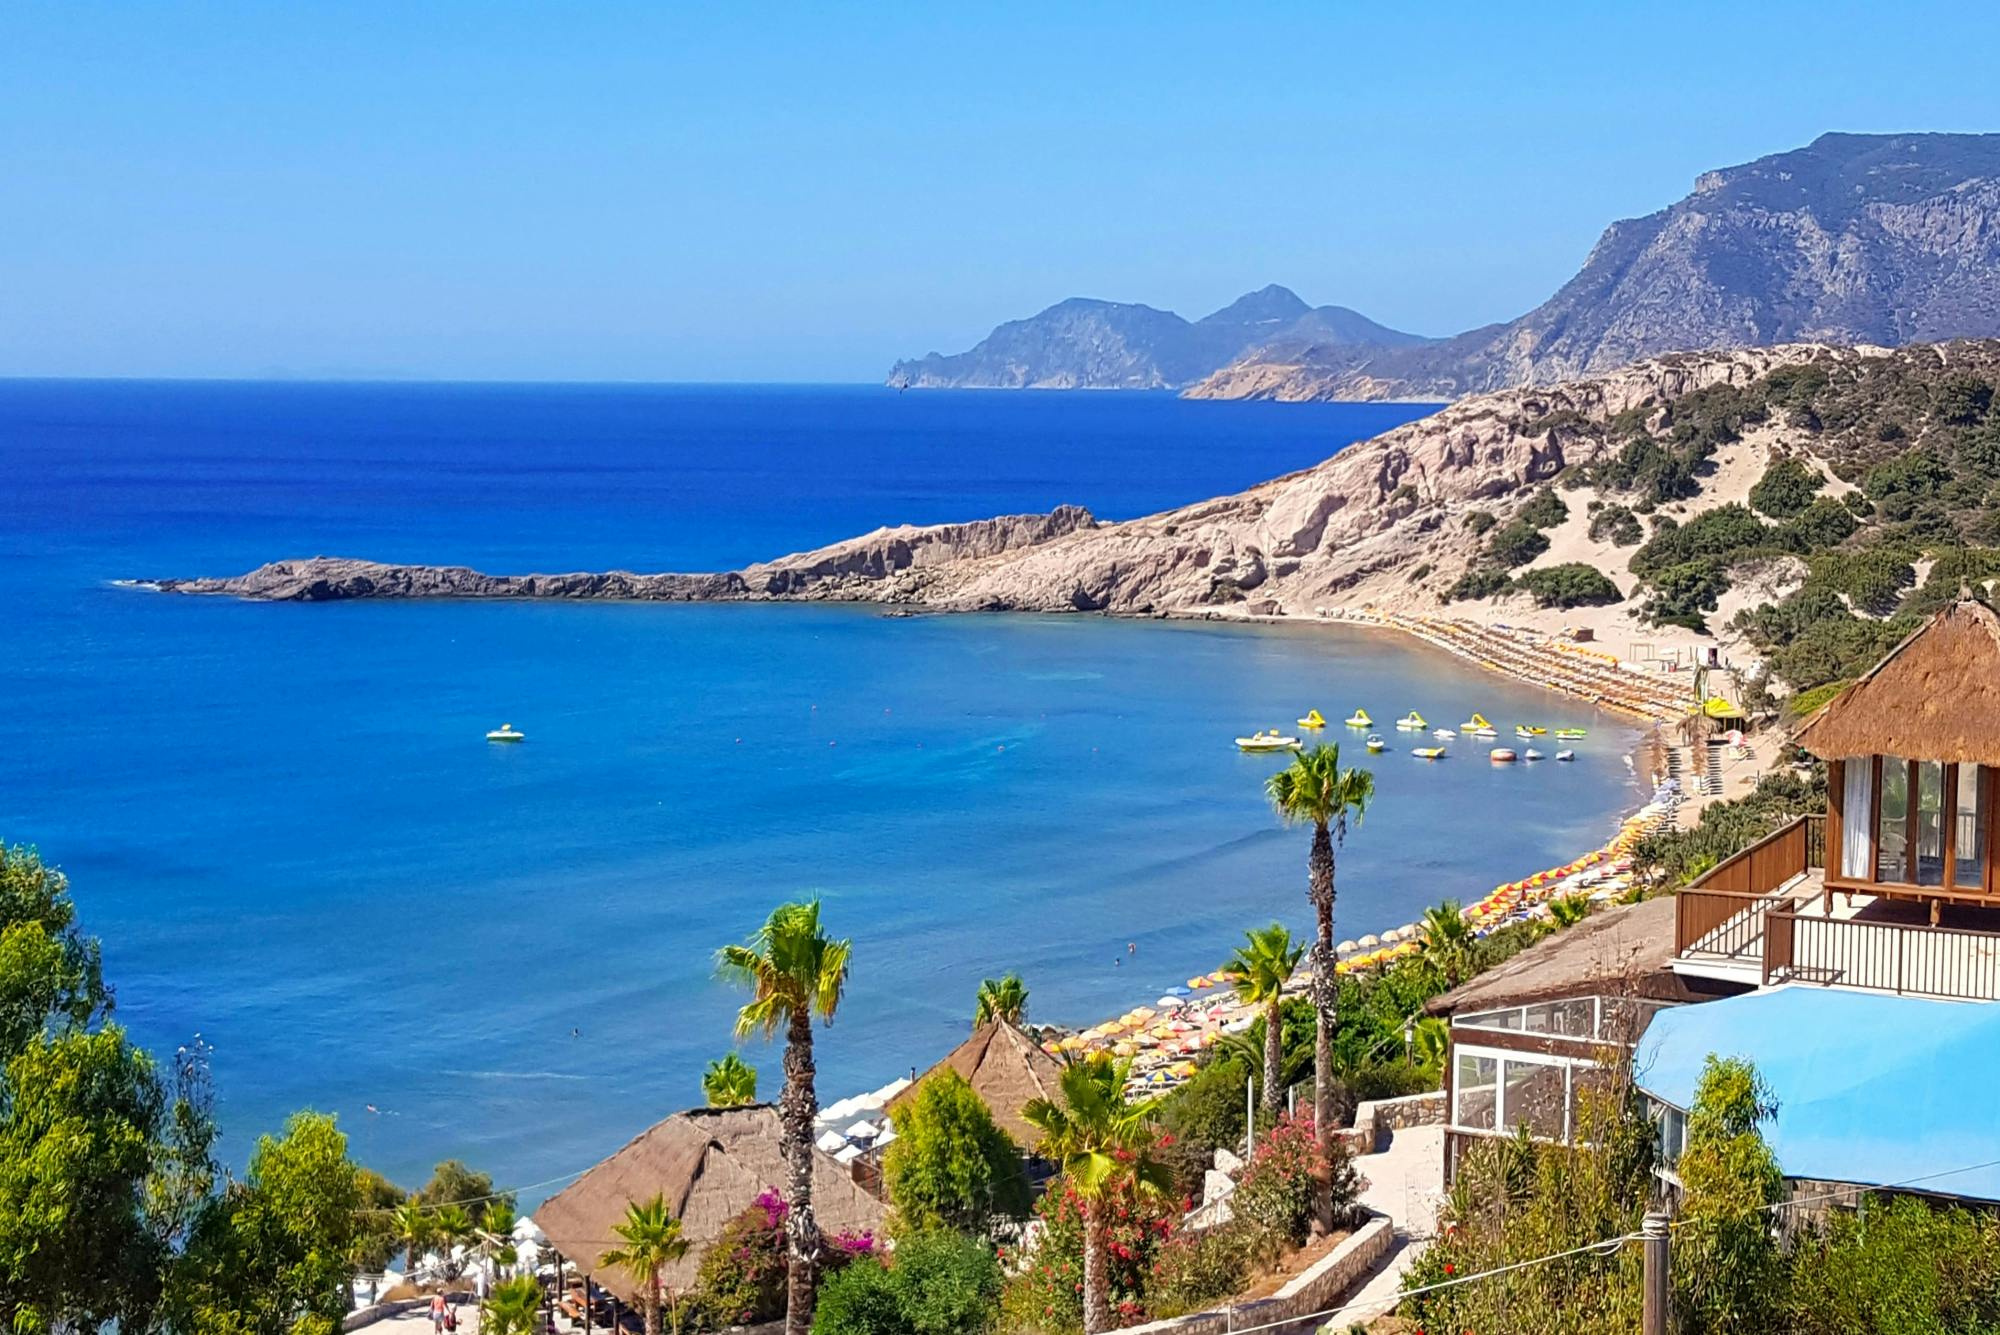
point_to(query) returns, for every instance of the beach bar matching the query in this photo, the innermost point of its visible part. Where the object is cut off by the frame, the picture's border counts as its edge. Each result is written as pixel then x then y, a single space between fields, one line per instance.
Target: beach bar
pixel 1895 887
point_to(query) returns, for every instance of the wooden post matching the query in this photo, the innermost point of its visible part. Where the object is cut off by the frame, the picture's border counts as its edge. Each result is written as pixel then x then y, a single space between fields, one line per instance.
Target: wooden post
pixel 1249 1117
pixel 1656 1315
pixel 554 1298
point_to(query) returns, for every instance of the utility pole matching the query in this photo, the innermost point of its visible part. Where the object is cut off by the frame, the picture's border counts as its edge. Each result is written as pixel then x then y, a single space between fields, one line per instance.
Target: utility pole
pixel 1657 1314
pixel 1249 1117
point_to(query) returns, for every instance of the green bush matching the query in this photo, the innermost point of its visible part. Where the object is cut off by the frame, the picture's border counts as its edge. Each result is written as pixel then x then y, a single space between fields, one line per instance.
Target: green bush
pixel 951 1166
pixel 1478 521
pixel 1476 584
pixel 1571 584
pixel 1898 1265
pixel 1198 1270
pixel 1915 473
pixel 1786 489
pixel 1963 400
pixel 1808 702
pixel 1617 523
pixel 1683 594
pixel 1515 544
pixel 1721 533
pixel 936 1283
pixel 740 1279
pixel 1824 523
pixel 1544 510
pixel 1281 1181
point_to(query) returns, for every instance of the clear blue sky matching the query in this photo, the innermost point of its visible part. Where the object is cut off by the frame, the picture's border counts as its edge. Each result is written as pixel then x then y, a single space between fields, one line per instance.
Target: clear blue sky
pixel 603 190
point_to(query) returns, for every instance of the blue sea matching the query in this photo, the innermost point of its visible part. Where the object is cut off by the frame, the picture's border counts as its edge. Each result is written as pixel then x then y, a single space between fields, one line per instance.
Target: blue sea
pixel 285 825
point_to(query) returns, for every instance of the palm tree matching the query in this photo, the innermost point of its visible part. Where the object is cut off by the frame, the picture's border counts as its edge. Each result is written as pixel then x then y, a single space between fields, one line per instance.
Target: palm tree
pixel 515 1308
pixel 653 1242
pixel 1262 966
pixel 1001 999
pixel 794 971
pixel 1429 1038
pixel 414 1229
pixel 1316 791
pixel 729 1082
pixel 1569 910
pixel 1101 1142
pixel 1446 938
pixel 450 1226
pixel 496 1233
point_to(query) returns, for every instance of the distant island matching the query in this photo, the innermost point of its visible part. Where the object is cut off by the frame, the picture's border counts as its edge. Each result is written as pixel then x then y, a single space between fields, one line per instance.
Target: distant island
pixel 1084 343
pixel 1856 239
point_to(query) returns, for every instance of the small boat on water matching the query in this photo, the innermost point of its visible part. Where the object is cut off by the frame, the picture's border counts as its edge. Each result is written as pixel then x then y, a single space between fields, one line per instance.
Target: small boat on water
pixel 1565 755
pixel 1412 722
pixel 1359 719
pixel 1571 734
pixel 1429 753
pixel 1375 742
pixel 506 732
pixel 1313 719
pixel 1444 734
pixel 1268 741
pixel 1531 754
pixel 1529 731
pixel 1500 755
pixel 1474 724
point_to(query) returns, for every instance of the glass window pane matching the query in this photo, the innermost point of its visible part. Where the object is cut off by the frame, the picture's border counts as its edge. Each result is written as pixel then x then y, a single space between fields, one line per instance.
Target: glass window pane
pixel 1892 818
pixel 1625 1019
pixel 1971 832
pixel 1507 1019
pixel 1473 1092
pixel 1573 1018
pixel 1536 1096
pixel 1930 823
pixel 1857 826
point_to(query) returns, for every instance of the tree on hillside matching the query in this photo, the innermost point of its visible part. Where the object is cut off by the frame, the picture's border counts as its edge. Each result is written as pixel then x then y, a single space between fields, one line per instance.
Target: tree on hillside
pixel 951 1166
pixel 794 972
pixel 1315 790
pixel 1001 999
pixel 452 1183
pixel 729 1082
pixel 1261 967
pixel 1728 1271
pixel 650 1242
pixel 1101 1142
pixel 1445 938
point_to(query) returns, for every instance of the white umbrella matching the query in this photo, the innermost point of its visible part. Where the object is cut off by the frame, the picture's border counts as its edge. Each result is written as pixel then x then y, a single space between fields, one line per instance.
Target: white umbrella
pixel 885 1137
pixel 1346 948
pixel 848 1155
pixel 527 1230
pixel 862 1131
pixel 1369 942
pixel 830 1141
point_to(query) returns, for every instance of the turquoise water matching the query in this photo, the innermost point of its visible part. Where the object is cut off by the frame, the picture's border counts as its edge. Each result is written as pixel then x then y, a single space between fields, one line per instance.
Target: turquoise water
pixel 285 824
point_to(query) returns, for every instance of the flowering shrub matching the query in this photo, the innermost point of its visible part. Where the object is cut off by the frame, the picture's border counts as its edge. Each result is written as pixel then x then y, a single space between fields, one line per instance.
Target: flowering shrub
pixel 1047 1294
pixel 1196 1270
pixel 1275 1196
pixel 741 1277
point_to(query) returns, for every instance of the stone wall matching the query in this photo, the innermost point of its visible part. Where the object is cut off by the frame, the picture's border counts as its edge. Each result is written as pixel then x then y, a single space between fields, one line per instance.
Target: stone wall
pixel 1377 1118
pixel 1317 1289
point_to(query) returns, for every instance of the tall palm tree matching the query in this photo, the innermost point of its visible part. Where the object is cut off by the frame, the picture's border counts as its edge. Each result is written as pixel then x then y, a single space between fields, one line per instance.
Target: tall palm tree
pixel 496 1234
pixel 1446 939
pixel 1001 999
pixel 451 1225
pixel 1262 966
pixel 729 1082
pixel 1102 1142
pixel 414 1229
pixel 514 1308
pixel 794 972
pixel 1316 791
pixel 653 1242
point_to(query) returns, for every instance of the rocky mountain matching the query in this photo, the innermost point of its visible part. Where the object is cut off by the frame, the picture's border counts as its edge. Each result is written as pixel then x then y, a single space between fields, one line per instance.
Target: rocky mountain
pixel 1856 239
pixel 1084 343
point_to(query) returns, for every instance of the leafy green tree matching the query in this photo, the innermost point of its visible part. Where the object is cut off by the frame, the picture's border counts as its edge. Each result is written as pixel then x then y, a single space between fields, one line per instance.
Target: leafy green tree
pixel 1102 1142
pixel 1569 910
pixel 274 1255
pixel 951 1166
pixel 50 973
pixel 1315 790
pixel 1003 999
pixel 1899 1265
pixel 794 971
pixel 1544 509
pixel 729 1082
pixel 1683 594
pixel 1261 967
pixel 1570 584
pixel 452 1183
pixel 935 1284
pixel 1728 1273
pixel 375 1239
pixel 652 1241
pixel 514 1308
pixel 1515 544
pixel 495 1231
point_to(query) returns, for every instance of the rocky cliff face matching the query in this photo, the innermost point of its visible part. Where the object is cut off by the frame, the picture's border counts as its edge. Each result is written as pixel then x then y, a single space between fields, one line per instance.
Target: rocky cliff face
pixel 1379 516
pixel 1861 239
pixel 1083 343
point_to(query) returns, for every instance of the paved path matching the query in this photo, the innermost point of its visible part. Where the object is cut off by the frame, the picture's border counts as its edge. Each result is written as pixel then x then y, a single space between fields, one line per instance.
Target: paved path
pixel 1405 1182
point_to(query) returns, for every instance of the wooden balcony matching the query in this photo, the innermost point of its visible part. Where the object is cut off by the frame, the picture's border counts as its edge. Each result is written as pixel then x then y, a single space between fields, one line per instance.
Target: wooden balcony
pixel 1763 918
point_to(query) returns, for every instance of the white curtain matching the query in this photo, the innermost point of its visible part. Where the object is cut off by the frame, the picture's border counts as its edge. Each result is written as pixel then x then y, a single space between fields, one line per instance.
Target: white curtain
pixel 1857 818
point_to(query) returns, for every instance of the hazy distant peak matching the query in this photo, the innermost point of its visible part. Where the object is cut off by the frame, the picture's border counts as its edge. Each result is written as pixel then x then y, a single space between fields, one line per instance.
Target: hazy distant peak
pixel 1272 305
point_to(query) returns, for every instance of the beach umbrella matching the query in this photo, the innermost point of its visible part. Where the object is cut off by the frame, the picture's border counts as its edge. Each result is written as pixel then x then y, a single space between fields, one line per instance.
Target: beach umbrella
pixel 862 1131
pixel 1370 941
pixel 1176 991
pixel 1346 948
pixel 830 1141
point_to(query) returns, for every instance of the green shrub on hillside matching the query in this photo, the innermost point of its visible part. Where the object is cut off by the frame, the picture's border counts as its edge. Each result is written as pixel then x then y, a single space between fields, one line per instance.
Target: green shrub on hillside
pixel 1476 584
pixel 1824 523
pixel 1718 534
pixel 1682 595
pixel 951 1166
pixel 1617 523
pixel 1478 521
pixel 1897 1264
pixel 1786 489
pixel 1515 544
pixel 1545 510
pixel 1808 702
pixel 1571 584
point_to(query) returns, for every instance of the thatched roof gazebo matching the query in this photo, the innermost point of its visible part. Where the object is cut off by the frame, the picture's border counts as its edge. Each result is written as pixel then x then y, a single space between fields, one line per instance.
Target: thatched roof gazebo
pixel 1007 1068
pixel 710 1164
pixel 1912 751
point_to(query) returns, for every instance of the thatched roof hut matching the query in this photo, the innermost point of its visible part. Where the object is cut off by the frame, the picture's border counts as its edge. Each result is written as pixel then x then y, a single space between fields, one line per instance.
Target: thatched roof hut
pixel 1006 1068
pixel 1936 696
pixel 1620 950
pixel 710 1164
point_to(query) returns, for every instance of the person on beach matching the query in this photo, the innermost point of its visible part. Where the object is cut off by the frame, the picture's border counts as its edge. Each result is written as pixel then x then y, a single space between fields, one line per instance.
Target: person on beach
pixel 438 1311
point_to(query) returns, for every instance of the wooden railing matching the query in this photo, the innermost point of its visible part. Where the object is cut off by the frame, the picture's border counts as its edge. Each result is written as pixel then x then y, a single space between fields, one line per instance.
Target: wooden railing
pixel 1721 912
pixel 1909 958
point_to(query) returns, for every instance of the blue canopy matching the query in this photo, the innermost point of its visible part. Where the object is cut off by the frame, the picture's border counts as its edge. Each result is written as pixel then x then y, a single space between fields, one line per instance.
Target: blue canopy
pixel 1873 1089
